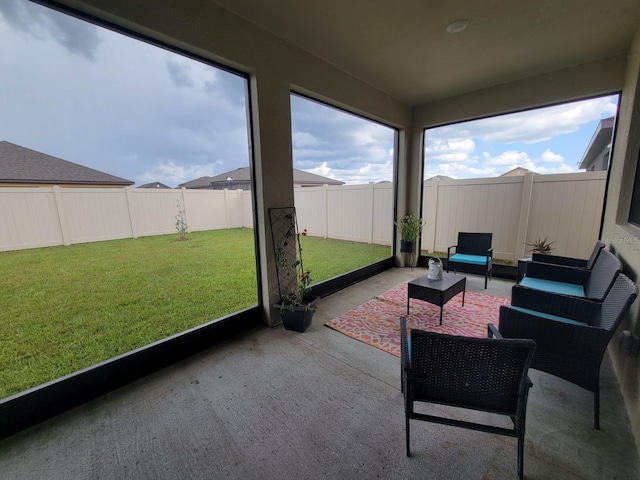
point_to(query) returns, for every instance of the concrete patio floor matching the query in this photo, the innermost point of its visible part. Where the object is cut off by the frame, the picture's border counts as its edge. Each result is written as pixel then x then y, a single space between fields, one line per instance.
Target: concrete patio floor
pixel 275 404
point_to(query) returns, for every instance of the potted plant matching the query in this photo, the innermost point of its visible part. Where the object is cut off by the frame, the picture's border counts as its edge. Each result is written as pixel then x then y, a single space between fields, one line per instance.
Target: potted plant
pixel 296 305
pixel 540 246
pixel 410 228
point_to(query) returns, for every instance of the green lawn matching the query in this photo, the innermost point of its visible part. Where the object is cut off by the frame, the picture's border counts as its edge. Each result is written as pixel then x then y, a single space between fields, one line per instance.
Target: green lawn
pixel 65 308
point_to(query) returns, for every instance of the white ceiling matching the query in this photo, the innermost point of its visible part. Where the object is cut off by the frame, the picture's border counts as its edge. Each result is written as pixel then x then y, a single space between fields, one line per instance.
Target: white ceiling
pixel 402 47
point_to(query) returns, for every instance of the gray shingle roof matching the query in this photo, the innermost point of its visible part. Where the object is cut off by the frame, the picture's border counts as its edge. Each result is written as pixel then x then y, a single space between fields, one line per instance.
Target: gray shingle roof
pixel 154 185
pixel 300 177
pixel 23 165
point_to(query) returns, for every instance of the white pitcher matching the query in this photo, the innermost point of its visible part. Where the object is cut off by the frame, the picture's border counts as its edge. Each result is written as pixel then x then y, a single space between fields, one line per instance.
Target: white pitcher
pixel 435 269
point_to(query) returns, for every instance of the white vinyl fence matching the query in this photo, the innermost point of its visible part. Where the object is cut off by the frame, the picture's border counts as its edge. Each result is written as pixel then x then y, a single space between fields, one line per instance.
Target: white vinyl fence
pixel 47 216
pixel 564 208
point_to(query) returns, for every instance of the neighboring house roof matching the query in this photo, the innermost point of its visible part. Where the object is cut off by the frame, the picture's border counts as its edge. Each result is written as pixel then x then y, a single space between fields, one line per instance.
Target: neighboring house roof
pixel 516 172
pixel 242 176
pixel 154 185
pixel 438 177
pixel 23 165
pixel 600 144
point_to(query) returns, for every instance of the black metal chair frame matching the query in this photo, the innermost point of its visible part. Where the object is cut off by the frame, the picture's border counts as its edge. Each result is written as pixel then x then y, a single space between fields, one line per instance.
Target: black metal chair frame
pixel 569 351
pixel 473 243
pixel 485 374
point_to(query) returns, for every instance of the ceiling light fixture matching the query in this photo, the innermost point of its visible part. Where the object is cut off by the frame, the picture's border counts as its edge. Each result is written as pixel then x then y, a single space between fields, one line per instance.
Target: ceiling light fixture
pixel 457 25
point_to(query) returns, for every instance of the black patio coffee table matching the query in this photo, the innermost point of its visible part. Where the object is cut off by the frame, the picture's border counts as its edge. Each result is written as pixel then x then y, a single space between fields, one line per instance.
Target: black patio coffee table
pixel 437 292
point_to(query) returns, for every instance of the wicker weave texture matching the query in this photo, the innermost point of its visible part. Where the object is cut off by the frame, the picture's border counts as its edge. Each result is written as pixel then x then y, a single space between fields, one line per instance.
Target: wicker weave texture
pixel 478 373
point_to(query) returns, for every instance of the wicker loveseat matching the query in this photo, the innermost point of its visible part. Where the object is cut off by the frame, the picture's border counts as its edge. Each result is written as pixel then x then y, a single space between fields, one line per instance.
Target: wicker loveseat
pixel 578 282
pixel 571 333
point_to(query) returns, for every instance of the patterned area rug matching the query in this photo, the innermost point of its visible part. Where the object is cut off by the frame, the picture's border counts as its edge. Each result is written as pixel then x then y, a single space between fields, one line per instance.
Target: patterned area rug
pixel 377 322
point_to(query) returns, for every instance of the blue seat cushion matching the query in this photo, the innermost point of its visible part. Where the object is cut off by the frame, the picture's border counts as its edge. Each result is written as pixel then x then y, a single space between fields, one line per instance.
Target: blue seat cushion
pixel 466 258
pixel 553 287
pixel 549 316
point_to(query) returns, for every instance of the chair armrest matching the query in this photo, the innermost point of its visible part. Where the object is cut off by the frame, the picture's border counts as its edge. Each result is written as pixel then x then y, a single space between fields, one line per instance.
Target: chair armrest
pixel 557 260
pixel 575 308
pixel 555 339
pixel 558 273
pixel 449 250
pixel 493 332
pixel 490 252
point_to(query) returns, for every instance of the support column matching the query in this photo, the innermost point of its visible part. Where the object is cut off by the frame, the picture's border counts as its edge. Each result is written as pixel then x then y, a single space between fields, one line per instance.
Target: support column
pixel 273 168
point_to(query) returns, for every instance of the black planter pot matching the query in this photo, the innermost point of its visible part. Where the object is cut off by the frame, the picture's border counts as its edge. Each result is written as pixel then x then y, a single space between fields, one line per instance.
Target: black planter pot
pixel 300 318
pixel 406 246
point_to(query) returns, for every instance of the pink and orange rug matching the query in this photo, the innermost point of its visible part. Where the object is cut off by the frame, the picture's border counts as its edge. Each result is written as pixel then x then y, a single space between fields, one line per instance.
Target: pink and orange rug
pixel 377 322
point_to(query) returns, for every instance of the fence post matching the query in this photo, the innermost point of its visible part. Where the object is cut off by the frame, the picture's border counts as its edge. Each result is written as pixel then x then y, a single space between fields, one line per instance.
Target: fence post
pixel 372 198
pixel 226 207
pixel 132 221
pixel 525 206
pixel 62 218
pixel 326 210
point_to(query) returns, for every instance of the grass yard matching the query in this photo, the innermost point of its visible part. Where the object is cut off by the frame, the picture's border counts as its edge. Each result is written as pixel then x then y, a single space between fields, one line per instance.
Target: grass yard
pixel 66 308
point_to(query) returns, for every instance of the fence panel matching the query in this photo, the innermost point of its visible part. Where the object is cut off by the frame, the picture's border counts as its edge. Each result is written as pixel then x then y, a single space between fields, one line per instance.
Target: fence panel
pixel 475 205
pixel 350 213
pixel 567 209
pixel 383 218
pixel 154 211
pixel 94 214
pixel 28 218
pixel 311 210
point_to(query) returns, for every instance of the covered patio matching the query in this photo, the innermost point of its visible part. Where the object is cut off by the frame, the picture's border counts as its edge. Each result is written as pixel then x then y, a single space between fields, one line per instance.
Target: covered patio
pixel 275 404
pixel 270 403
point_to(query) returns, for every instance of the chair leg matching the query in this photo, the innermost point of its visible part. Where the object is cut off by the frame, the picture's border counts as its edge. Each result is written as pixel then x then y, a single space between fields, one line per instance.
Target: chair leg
pixel 521 455
pixel 406 416
pixel 596 408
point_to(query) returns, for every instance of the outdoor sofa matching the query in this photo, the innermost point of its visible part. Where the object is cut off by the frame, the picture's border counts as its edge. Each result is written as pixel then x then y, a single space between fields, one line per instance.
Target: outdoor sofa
pixel 577 282
pixel 571 333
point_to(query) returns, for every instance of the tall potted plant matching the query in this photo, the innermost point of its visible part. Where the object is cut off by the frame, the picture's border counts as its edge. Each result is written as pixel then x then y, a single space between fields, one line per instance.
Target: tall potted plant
pixel 296 305
pixel 410 228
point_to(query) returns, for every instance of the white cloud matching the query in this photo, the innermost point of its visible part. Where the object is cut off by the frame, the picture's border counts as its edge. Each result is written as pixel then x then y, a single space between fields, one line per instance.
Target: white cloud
pixel 542 124
pixel 175 174
pixel 549 157
pixel 510 157
pixel 439 150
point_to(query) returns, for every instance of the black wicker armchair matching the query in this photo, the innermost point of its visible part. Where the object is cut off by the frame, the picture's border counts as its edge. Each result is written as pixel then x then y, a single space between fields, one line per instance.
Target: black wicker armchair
pixel 486 374
pixel 570 261
pixel 560 279
pixel 474 250
pixel 571 334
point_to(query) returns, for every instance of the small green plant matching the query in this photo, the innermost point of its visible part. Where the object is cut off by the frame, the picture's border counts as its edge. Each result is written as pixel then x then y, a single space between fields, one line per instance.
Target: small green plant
pixel 293 280
pixel 410 227
pixel 181 222
pixel 540 246
pixel 289 302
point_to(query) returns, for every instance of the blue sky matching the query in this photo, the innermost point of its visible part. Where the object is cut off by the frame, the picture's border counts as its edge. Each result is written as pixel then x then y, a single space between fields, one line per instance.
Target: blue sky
pixel 547 140
pixel 97 98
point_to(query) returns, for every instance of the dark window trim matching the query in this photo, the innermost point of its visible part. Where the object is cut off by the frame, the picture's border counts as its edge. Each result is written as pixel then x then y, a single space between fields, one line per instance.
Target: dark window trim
pixel 634 208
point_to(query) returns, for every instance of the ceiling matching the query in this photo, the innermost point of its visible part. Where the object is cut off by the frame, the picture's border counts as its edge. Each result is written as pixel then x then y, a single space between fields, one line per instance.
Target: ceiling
pixel 403 48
